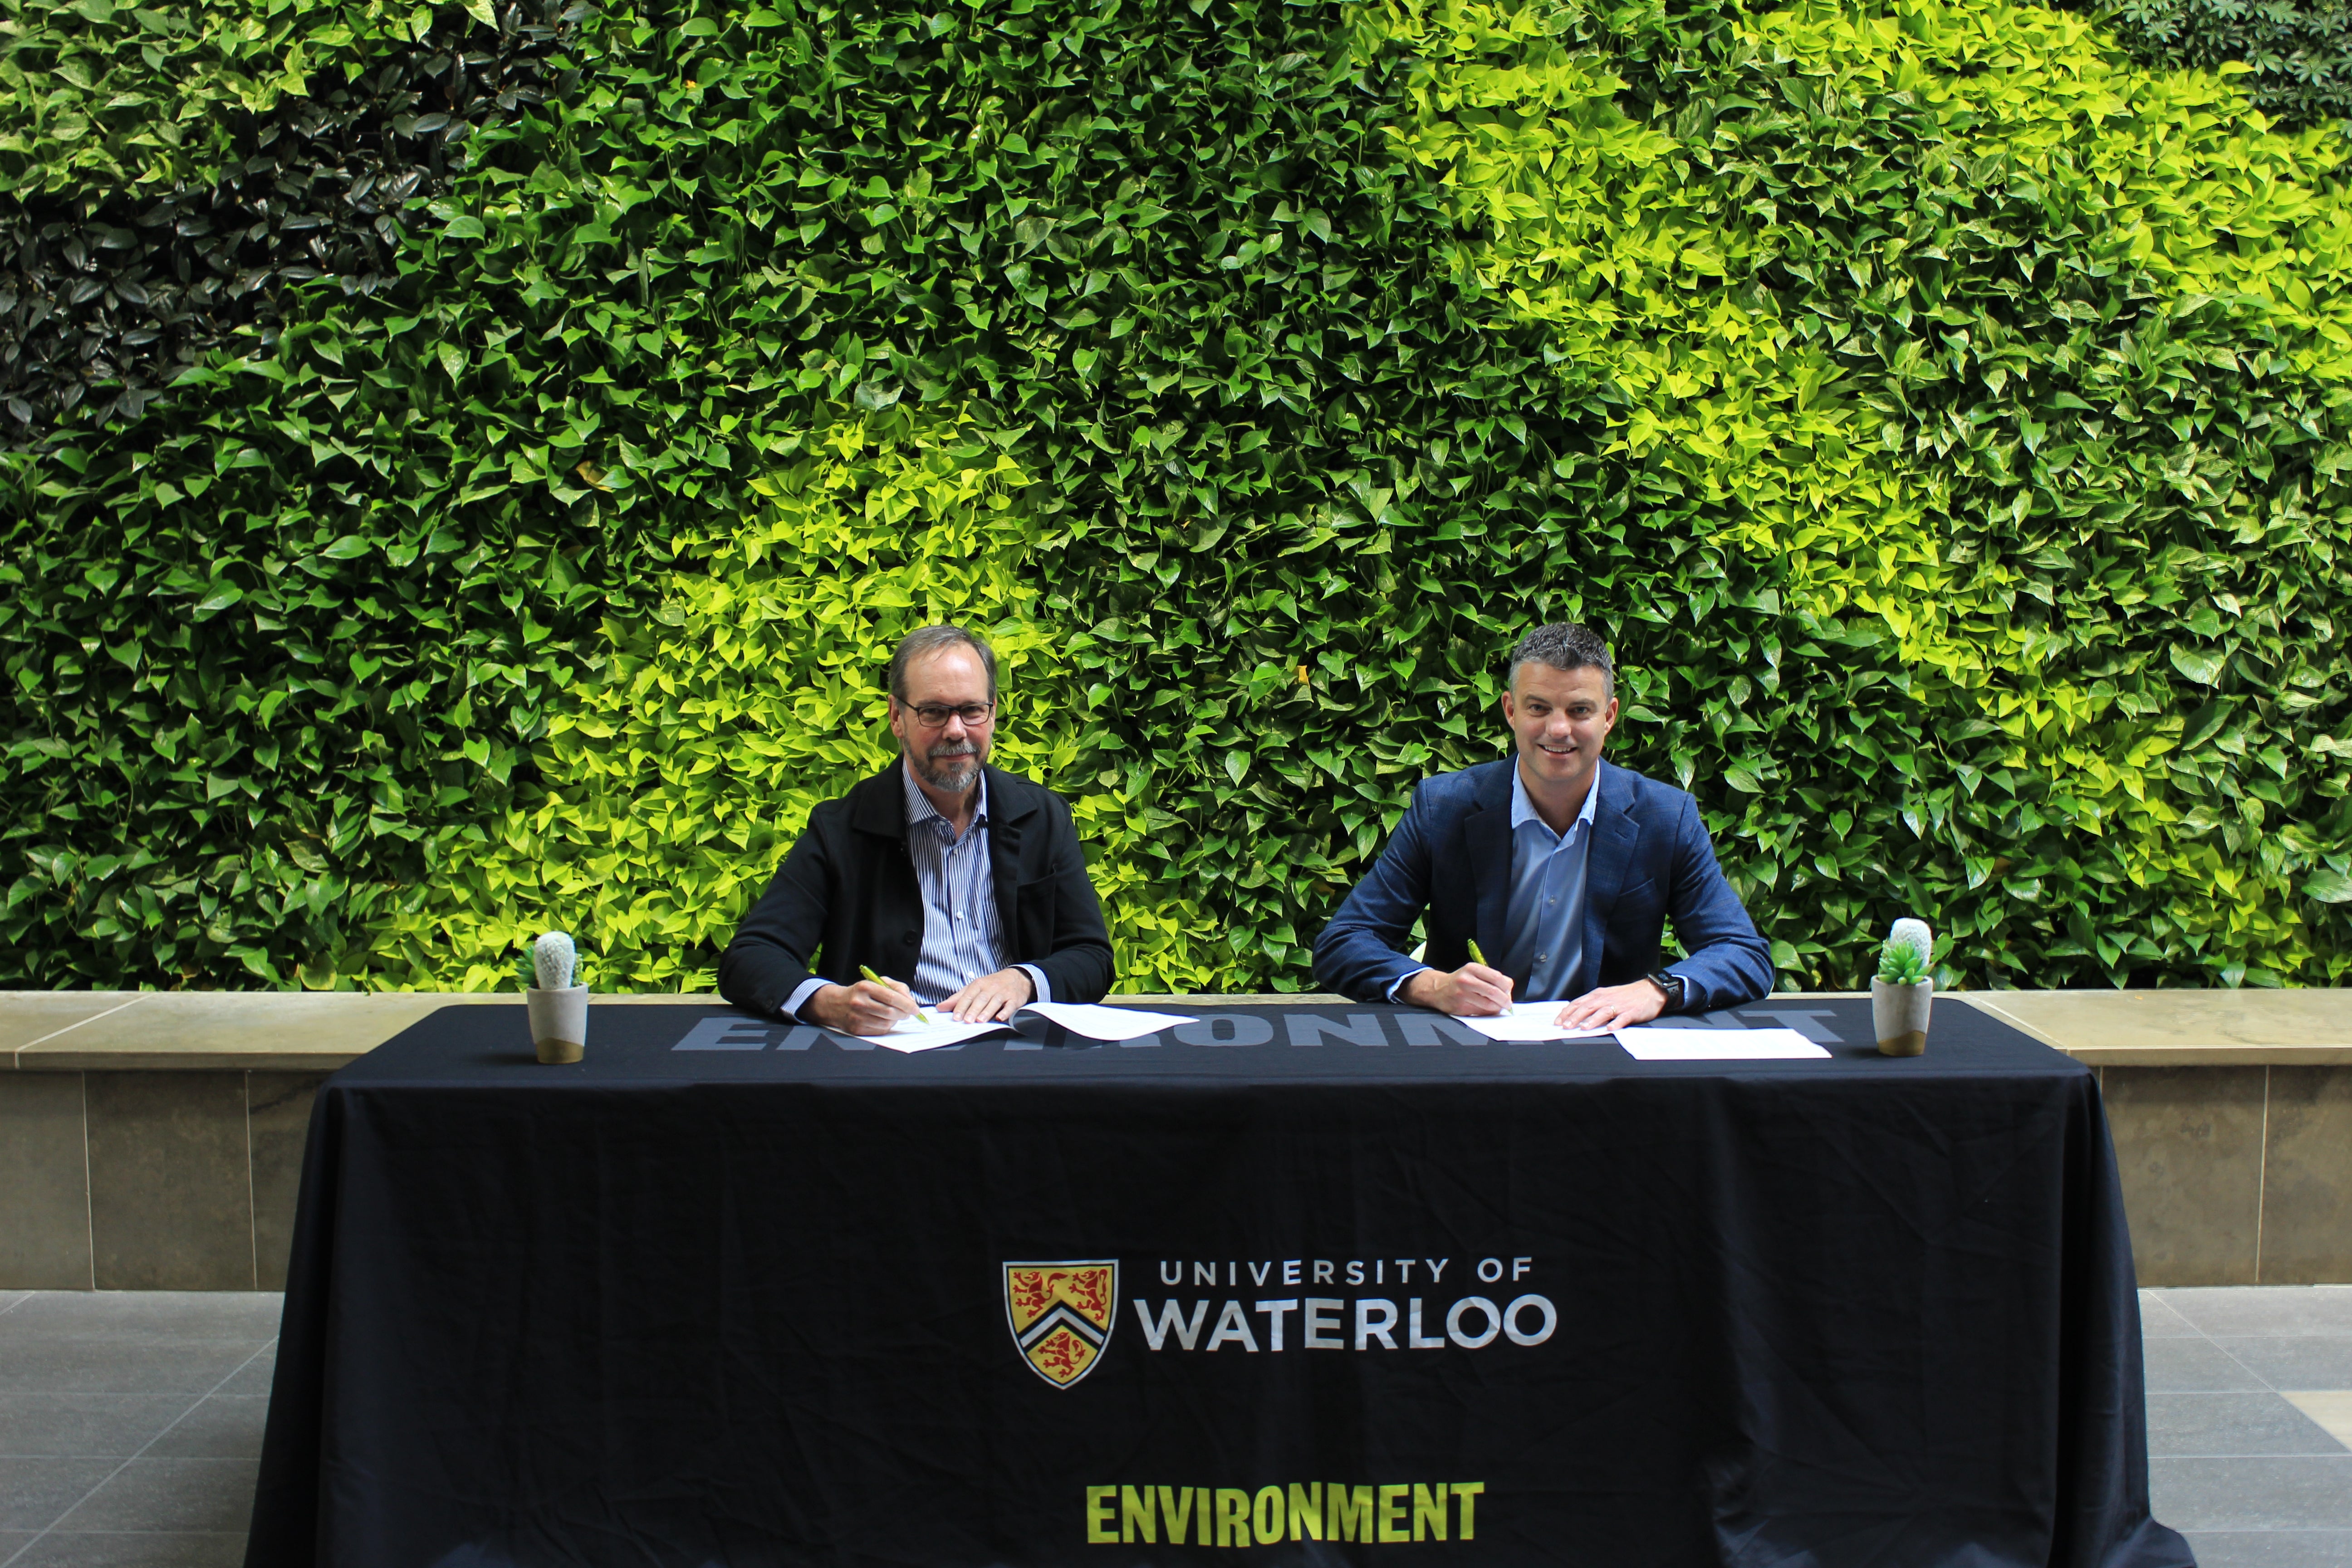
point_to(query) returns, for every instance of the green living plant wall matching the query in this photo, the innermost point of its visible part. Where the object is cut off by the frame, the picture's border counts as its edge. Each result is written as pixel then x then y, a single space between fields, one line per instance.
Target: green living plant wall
pixel 1943 414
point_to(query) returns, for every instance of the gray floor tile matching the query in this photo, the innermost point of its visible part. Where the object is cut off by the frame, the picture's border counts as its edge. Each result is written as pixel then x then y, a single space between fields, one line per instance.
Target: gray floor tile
pixel 84 1424
pixel 228 1426
pixel 2301 1361
pixel 2159 1320
pixel 34 1492
pixel 2218 1425
pixel 48 1366
pixel 2280 1493
pixel 254 1375
pixel 2194 1366
pixel 9 1299
pixel 79 1549
pixel 204 1495
pixel 2272 1548
pixel 2223 1310
pixel 135 1314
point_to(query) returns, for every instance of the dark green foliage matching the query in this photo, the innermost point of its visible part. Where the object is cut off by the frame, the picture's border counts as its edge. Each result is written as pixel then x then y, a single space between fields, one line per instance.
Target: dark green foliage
pixel 2299 52
pixel 270 654
pixel 106 295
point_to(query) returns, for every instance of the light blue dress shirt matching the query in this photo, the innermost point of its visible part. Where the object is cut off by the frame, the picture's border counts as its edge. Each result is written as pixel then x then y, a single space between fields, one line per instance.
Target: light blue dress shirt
pixel 1543 923
pixel 1544 948
pixel 963 931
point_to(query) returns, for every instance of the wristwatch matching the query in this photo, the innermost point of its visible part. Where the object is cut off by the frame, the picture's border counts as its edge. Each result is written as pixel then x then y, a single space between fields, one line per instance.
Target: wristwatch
pixel 1673 985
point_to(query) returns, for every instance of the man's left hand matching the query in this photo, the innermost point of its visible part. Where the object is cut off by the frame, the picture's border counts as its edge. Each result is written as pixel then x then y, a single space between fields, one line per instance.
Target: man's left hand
pixel 991 998
pixel 1612 1007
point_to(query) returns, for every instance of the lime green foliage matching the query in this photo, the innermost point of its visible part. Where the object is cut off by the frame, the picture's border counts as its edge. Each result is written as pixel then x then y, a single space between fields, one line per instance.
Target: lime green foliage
pixel 1943 419
pixel 688 757
pixel 1750 286
pixel 96 96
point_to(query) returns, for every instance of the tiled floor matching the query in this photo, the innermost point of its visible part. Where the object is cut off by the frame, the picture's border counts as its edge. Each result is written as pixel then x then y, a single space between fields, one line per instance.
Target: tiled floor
pixel 2250 1422
pixel 129 1424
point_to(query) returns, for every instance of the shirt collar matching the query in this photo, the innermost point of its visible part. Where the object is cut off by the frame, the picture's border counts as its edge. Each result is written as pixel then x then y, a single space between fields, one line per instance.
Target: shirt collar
pixel 919 808
pixel 1523 810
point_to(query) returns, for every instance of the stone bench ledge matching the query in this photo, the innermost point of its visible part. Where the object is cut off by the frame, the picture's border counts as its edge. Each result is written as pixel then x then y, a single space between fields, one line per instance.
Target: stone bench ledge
pixel 85 1031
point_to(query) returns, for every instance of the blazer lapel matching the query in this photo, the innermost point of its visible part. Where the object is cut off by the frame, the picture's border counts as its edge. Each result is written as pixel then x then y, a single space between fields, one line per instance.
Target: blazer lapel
pixel 1008 809
pixel 1486 831
pixel 1614 835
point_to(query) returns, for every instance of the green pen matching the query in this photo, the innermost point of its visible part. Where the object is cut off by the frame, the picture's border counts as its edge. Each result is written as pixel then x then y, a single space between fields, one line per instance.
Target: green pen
pixel 921 1011
pixel 1475 956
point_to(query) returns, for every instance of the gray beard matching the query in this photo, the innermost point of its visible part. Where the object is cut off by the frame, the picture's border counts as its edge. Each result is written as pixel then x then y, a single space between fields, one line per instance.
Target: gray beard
pixel 955 772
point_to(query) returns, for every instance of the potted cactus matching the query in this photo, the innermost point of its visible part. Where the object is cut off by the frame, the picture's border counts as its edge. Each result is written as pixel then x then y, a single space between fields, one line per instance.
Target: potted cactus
pixel 1904 989
pixel 559 1007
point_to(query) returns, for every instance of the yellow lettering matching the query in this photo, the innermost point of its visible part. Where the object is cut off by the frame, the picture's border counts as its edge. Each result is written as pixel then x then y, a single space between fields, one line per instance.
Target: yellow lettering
pixel 1201 1530
pixel 1135 1521
pixel 1468 1492
pixel 1233 1517
pixel 1176 1508
pixel 1348 1514
pixel 1392 1513
pixel 1266 1515
pixel 1307 1511
pixel 1100 1531
pixel 1429 1511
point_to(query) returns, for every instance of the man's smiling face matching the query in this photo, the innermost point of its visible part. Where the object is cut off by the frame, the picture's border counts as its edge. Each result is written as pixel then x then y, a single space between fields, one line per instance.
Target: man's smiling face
pixel 1560 717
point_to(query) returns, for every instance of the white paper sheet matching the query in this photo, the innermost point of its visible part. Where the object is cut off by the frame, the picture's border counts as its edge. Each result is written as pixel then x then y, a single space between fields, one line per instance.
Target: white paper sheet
pixel 912 1035
pixel 1717 1045
pixel 1527 1023
pixel 1098 1023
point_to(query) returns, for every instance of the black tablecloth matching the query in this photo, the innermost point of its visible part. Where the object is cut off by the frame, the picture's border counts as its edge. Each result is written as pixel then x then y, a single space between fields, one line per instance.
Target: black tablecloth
pixel 736 1293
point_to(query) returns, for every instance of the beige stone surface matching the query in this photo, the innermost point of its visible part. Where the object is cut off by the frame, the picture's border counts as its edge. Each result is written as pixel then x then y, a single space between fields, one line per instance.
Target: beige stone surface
pixel 278 1127
pixel 29 1016
pixel 2182 1028
pixel 282 1031
pixel 2307 1178
pixel 2189 1151
pixel 44 1184
pixel 170 1193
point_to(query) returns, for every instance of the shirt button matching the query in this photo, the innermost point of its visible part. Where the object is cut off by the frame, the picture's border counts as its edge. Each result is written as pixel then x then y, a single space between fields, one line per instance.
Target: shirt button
pixel 1541 956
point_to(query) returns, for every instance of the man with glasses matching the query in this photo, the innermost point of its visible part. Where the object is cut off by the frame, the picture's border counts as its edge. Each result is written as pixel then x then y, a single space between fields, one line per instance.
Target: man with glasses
pixel 962 887
pixel 1547 876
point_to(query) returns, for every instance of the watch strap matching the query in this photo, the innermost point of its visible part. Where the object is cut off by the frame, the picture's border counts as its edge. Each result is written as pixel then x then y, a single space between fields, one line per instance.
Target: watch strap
pixel 1673 985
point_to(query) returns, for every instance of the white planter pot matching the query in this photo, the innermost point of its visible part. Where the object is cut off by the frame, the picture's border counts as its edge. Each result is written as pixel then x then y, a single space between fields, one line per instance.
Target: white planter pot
pixel 1900 1016
pixel 559 1022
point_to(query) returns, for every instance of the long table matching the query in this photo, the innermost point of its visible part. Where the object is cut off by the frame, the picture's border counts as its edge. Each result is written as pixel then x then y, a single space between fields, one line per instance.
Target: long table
pixel 1314 1284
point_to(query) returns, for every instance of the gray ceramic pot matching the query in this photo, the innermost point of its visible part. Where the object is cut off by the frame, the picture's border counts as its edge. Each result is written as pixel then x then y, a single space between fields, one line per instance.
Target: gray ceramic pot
pixel 1900 1014
pixel 559 1022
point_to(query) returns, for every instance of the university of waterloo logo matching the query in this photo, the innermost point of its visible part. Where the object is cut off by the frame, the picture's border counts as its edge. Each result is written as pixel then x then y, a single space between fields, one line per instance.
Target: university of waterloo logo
pixel 1061 1315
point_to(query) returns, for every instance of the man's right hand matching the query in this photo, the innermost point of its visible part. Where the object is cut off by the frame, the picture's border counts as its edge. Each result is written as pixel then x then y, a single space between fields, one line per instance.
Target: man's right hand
pixel 865 1008
pixel 1473 991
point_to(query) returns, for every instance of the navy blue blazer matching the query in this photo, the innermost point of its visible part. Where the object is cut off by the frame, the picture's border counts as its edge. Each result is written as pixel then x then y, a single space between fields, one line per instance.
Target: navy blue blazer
pixel 1650 861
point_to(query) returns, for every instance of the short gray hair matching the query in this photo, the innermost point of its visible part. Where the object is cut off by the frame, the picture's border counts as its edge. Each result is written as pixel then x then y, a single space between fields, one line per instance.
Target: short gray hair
pixel 925 641
pixel 1564 645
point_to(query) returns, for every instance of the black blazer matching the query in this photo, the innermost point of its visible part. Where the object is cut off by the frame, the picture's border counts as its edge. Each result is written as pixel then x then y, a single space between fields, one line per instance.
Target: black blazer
pixel 847 891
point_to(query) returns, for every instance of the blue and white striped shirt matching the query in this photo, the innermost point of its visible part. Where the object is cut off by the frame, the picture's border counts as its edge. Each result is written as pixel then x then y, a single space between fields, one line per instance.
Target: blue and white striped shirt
pixel 963 931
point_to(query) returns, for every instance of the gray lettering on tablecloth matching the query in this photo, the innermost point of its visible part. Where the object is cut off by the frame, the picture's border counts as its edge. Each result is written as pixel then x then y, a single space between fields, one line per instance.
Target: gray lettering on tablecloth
pixel 1437 1029
pixel 1806 1021
pixel 1226 1029
pixel 746 1035
pixel 725 1034
pixel 1309 1030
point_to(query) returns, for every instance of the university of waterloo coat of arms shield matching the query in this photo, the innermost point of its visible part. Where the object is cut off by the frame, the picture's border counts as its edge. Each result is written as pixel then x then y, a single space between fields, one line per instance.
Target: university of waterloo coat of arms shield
pixel 1061 1315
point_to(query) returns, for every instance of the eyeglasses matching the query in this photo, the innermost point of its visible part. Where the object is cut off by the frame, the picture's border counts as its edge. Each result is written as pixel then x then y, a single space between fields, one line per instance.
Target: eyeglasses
pixel 935 715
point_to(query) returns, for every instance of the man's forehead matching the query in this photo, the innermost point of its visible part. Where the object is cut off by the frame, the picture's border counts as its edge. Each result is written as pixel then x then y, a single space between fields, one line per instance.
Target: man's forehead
pixel 1562 686
pixel 951 675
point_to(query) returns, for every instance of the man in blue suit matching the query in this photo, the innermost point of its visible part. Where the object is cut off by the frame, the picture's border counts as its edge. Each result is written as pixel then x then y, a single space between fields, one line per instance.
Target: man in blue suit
pixel 1564 871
